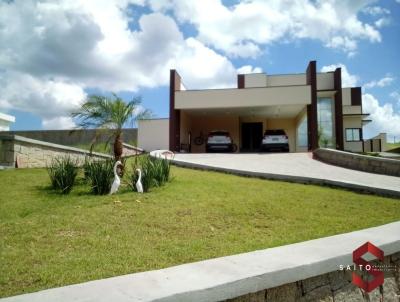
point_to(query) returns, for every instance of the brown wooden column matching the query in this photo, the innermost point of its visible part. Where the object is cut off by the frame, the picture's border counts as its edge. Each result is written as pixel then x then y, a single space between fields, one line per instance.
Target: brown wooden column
pixel 240 81
pixel 174 115
pixel 337 77
pixel 312 119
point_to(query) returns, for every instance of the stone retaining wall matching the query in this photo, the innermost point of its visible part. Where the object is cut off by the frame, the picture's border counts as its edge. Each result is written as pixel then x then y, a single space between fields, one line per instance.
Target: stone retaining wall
pixel 75 137
pixel 21 152
pixel 335 286
pixel 359 162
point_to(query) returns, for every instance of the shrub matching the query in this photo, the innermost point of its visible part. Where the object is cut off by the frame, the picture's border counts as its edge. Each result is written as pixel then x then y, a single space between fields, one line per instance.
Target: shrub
pixel 86 169
pixel 62 172
pixel 155 172
pixel 100 175
pixel 161 168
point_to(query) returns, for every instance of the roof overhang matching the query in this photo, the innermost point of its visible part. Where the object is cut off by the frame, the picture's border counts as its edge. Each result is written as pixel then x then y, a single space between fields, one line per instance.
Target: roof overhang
pixel 7 118
pixel 326 93
pixel 277 111
pixel 243 98
pixel 356 114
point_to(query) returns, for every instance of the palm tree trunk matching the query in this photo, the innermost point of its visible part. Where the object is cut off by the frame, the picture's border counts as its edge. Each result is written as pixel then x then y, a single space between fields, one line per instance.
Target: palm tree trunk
pixel 118 147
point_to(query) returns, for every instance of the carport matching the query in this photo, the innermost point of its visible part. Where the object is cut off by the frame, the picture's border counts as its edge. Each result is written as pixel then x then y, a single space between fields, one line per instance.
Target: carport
pixel 245 125
pixel 244 113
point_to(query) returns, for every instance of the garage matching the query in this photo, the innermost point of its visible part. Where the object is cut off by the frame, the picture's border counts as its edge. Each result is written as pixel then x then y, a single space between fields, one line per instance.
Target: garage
pixel 246 127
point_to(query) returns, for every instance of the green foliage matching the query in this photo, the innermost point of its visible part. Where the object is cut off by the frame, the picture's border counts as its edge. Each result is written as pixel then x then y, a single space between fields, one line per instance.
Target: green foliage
pixel 57 240
pixel 99 147
pixel 102 112
pixel 155 172
pixel 100 175
pixel 62 172
pixel 323 140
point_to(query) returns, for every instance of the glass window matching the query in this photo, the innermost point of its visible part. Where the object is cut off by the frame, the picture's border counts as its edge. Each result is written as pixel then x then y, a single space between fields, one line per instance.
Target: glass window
pixel 353 134
pixel 302 135
pixel 326 132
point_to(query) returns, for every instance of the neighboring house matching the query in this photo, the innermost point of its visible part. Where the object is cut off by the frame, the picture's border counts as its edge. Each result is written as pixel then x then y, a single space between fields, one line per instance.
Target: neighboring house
pixel 312 108
pixel 5 121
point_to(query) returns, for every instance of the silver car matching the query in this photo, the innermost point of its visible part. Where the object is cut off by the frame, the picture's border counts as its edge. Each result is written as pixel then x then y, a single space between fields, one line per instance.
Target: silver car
pixel 219 141
pixel 274 140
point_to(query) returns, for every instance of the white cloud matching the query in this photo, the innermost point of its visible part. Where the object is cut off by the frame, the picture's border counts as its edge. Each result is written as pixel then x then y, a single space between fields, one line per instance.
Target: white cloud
pixel 386 81
pixel 248 69
pixel 384 118
pixel 380 12
pixel 241 29
pixel 396 96
pixel 50 52
pixel 194 66
pixel 62 122
pixel 348 80
pixel 376 10
pixel 52 100
pixel 382 22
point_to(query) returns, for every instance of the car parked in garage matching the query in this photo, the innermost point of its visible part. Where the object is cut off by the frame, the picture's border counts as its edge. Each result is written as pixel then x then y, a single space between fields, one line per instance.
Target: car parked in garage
pixel 219 141
pixel 275 140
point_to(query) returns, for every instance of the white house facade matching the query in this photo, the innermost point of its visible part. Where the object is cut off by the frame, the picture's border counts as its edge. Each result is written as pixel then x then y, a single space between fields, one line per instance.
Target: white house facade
pixel 311 107
pixel 5 121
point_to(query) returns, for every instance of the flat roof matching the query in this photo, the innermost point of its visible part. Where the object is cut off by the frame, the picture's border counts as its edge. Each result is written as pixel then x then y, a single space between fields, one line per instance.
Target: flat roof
pixel 7 118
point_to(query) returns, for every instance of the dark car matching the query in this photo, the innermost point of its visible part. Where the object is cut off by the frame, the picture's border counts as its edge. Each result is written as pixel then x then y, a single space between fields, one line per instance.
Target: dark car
pixel 274 140
pixel 219 141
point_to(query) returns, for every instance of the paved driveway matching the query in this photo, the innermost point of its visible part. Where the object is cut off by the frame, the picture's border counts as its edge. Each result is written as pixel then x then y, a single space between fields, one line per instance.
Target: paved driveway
pixel 295 165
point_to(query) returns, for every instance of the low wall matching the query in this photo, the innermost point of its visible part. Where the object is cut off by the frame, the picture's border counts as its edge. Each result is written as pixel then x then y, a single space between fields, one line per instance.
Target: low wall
pixel 66 137
pixel 359 162
pixel 305 271
pixel 22 152
pixel 334 286
pixel 129 150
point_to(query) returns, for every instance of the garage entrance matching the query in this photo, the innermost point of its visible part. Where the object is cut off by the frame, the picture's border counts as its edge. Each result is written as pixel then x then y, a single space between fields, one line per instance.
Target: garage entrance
pixel 251 136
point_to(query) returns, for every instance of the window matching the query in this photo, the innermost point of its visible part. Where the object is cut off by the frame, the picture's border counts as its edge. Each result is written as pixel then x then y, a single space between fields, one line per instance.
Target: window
pixel 326 127
pixel 302 133
pixel 353 134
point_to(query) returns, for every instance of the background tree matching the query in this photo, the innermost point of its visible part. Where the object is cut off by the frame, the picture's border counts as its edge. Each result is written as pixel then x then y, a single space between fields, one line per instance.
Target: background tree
pixel 110 113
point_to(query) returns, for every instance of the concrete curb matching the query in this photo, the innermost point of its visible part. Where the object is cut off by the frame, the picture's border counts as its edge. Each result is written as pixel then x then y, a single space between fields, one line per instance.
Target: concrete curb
pixel 292 178
pixel 227 277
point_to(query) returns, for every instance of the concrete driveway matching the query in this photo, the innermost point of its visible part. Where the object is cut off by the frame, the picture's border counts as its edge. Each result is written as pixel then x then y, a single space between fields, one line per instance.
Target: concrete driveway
pixel 297 167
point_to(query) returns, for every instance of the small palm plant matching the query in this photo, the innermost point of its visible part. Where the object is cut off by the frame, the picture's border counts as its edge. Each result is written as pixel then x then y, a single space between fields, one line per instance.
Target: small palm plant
pixel 113 113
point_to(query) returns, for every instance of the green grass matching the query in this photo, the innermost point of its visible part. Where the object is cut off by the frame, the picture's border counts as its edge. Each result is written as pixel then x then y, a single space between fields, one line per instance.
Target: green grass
pixel 100 147
pixel 50 240
pixel 393 147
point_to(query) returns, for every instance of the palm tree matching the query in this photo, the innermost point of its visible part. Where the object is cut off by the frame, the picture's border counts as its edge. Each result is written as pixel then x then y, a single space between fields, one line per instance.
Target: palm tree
pixel 103 112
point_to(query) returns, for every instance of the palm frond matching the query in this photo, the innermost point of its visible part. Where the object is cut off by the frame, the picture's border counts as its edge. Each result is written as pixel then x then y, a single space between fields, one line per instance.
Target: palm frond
pixel 103 112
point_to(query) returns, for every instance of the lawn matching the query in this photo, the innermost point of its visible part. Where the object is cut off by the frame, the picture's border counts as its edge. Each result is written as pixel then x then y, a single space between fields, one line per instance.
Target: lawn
pixel 393 147
pixel 99 147
pixel 48 240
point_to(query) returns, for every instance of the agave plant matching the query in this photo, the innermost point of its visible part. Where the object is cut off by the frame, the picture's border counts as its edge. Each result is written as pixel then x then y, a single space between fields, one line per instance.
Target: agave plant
pixel 62 172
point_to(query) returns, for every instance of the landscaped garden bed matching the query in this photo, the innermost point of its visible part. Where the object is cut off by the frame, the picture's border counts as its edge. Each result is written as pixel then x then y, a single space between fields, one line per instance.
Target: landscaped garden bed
pixel 49 239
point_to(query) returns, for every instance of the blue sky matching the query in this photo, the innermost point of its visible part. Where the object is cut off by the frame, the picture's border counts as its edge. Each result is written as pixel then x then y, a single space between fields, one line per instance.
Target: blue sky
pixel 54 53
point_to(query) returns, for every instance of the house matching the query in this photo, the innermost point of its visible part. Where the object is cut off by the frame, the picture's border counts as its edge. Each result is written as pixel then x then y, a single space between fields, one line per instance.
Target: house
pixel 313 108
pixel 5 121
